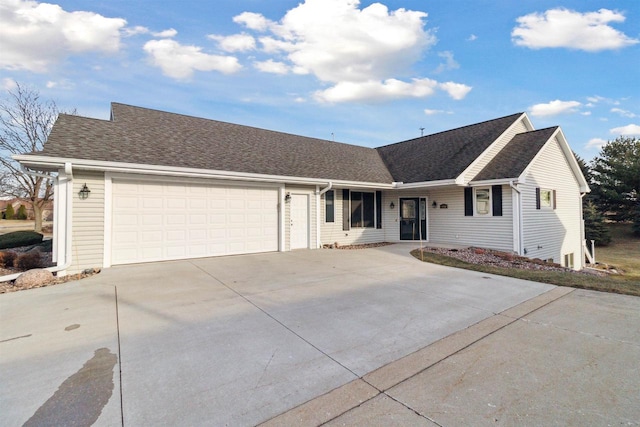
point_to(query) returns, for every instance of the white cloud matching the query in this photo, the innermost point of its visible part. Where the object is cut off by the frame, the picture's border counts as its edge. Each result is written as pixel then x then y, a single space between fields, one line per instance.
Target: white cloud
pixel 235 43
pixel 180 61
pixel 375 91
pixel 449 64
pixel 253 21
pixel 570 29
pixel 271 66
pixel 456 91
pixel 350 48
pixel 8 84
pixel 629 130
pixel 434 112
pixel 596 143
pixel 171 32
pixel 598 99
pixel 472 38
pixel 624 113
pixel 553 108
pixel 35 35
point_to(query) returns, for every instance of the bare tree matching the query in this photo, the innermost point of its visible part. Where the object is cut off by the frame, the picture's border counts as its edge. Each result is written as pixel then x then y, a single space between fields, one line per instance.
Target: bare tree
pixel 25 123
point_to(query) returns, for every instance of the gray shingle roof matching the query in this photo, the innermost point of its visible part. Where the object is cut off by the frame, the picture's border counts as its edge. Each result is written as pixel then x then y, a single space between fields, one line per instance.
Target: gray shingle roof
pixel 138 135
pixel 513 159
pixel 443 155
pixel 144 136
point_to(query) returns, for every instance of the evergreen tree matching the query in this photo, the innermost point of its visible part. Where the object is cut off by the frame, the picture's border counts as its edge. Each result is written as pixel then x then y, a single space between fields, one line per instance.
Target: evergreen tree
pixel 9 213
pixel 594 225
pixel 22 213
pixel 616 177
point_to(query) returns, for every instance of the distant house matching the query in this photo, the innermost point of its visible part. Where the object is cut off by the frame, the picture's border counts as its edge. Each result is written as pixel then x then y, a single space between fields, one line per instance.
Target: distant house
pixel 165 186
pixel 47 212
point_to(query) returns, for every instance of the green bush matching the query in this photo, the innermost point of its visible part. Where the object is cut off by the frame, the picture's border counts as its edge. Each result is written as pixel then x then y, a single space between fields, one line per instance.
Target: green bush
pixel 9 213
pixel 22 213
pixel 19 238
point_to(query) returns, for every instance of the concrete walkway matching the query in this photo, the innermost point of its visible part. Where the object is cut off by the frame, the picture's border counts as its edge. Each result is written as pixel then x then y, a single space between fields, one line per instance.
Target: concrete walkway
pixel 363 337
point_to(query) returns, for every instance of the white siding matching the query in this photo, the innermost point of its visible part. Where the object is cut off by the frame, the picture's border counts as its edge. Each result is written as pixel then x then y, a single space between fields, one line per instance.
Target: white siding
pixel 310 191
pixel 495 148
pixel 552 233
pixel 88 222
pixel 332 232
pixel 451 226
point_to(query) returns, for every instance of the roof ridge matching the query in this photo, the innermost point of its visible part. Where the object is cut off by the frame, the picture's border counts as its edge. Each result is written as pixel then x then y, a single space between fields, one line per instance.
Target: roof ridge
pixel 453 130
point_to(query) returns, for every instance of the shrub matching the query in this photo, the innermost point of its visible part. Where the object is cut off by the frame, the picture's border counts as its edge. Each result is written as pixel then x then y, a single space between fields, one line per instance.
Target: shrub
pixel 7 259
pixel 29 260
pixel 22 213
pixel 9 213
pixel 19 238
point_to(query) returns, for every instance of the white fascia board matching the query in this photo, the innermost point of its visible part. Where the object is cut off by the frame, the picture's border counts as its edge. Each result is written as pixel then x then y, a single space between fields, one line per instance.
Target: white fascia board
pixel 51 163
pixel 501 181
pixel 566 150
pixel 527 123
pixel 425 184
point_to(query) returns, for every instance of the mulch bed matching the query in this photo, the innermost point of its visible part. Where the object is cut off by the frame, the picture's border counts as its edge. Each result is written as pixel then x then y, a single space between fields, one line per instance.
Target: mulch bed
pixel 45 262
pixel 503 259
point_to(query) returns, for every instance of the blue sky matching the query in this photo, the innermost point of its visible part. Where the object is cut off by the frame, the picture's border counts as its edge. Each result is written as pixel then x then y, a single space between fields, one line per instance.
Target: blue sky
pixel 365 73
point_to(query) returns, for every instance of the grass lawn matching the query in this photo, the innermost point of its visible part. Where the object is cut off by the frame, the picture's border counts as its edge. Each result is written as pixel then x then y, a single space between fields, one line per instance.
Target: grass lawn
pixel 623 253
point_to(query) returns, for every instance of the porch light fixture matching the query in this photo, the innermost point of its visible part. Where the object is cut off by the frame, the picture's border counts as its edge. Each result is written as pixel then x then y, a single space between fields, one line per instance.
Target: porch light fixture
pixel 392 205
pixel 434 204
pixel 287 197
pixel 84 191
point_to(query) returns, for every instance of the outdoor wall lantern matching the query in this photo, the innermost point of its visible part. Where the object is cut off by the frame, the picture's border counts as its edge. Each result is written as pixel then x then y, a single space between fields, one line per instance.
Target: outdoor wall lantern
pixel 287 197
pixel 84 191
pixel 392 205
pixel 434 204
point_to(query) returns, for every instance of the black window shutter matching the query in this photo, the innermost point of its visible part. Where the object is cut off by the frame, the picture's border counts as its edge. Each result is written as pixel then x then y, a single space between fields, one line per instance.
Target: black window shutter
pixel 496 197
pixel 537 197
pixel 468 201
pixel 345 210
pixel 379 209
pixel 554 199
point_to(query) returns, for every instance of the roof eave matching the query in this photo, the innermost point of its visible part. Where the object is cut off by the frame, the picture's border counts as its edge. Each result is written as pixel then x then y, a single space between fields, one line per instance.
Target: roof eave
pixel 46 163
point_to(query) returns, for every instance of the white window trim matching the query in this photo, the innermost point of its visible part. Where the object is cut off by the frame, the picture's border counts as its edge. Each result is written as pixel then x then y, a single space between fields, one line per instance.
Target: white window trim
pixel 550 205
pixel 475 202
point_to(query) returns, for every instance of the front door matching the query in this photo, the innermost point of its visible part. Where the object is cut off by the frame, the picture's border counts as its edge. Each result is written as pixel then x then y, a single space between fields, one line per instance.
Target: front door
pixel 299 221
pixel 413 218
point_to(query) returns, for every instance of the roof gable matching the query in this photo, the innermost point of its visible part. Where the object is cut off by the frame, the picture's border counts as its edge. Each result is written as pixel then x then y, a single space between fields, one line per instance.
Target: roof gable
pixel 514 158
pixel 444 155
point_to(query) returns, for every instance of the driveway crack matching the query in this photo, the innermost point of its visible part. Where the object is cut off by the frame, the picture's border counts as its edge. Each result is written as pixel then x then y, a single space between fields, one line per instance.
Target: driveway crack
pixel 277 321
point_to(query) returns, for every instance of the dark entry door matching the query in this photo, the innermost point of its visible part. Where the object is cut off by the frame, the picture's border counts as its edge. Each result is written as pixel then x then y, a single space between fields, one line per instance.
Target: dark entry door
pixel 413 220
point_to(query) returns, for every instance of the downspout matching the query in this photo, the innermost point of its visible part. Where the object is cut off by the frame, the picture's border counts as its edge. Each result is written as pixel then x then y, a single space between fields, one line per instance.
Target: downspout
pixel 68 172
pixel 319 193
pixel 519 216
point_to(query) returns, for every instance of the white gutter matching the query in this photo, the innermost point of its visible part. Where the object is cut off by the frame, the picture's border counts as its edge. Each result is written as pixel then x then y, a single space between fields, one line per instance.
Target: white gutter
pixel 423 184
pixel 319 193
pixel 518 226
pixel 68 172
pixel 55 162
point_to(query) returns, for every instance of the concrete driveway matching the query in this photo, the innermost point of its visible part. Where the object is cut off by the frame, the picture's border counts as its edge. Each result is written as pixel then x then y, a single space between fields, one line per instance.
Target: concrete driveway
pixel 308 337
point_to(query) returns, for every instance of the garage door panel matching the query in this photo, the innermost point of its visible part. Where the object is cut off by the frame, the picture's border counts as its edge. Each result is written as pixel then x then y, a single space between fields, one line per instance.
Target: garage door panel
pixel 153 222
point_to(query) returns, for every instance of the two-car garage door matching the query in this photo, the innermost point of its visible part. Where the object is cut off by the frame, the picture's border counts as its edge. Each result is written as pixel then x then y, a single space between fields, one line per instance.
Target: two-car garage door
pixel 164 221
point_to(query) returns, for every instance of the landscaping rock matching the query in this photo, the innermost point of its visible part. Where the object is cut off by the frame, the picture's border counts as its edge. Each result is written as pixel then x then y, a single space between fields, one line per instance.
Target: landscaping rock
pixel 34 278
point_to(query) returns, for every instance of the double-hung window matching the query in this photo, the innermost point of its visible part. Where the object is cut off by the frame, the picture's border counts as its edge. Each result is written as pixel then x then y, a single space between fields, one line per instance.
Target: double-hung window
pixel 483 201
